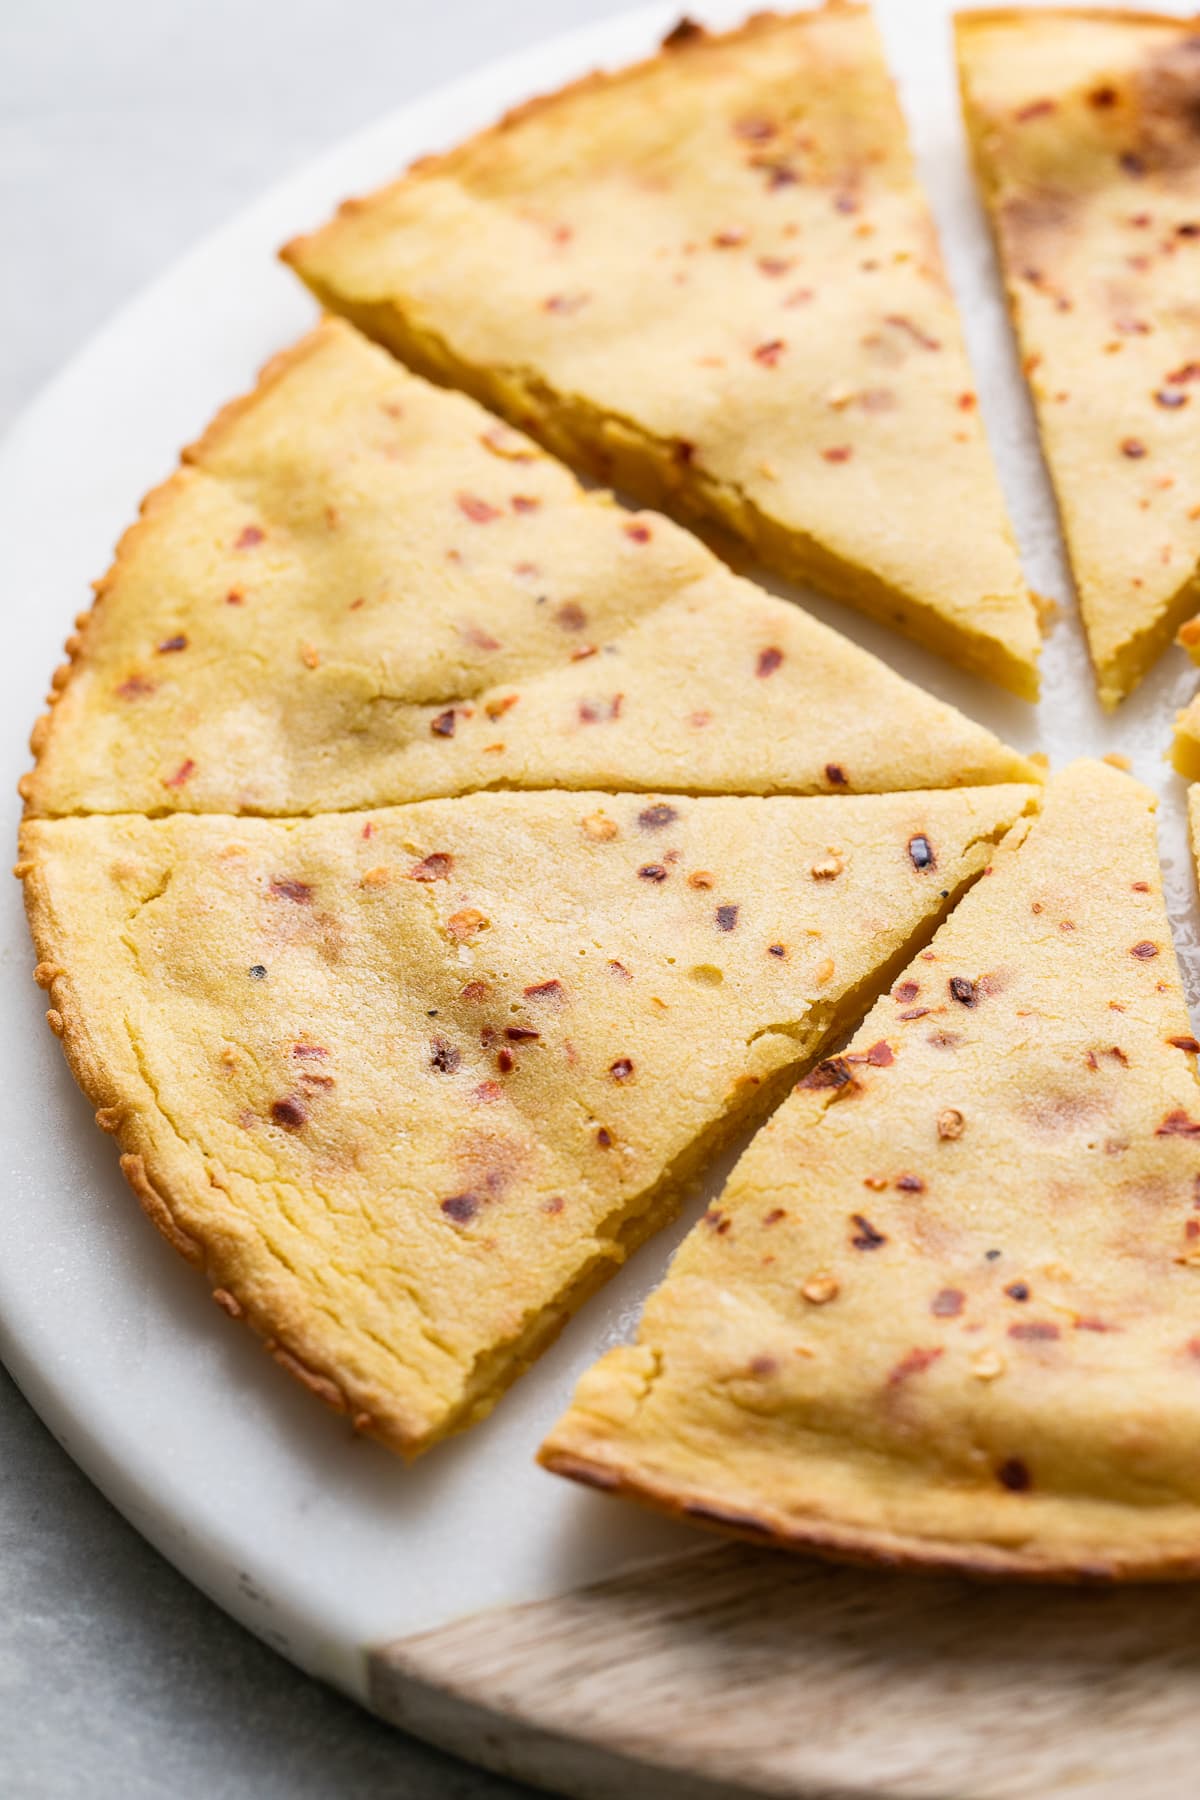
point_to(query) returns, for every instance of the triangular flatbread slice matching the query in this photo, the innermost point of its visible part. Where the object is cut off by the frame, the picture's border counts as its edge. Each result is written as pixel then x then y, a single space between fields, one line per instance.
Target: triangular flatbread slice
pixel 947 1310
pixel 407 1085
pixel 713 279
pixel 1084 132
pixel 363 590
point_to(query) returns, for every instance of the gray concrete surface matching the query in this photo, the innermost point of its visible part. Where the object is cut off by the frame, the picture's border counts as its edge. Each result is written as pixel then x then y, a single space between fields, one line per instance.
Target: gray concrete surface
pixel 128 128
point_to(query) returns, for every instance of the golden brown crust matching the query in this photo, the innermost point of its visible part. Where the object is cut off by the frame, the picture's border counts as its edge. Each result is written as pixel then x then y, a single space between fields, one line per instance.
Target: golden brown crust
pixel 118 1118
pixel 845 1544
pixel 1012 15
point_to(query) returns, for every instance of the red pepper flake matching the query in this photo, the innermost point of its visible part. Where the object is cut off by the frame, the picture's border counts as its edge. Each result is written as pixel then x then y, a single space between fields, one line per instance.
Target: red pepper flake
pixel 879 1056
pixel 967 403
pixel 754 130
pixel 570 616
pixel 1091 1325
pixel 834 1072
pixel 769 353
pixel 910 1184
pixel 1170 398
pixel 619 970
pixel 1017 1290
pixel 964 990
pixel 443 725
pixel 284 888
pixel 1035 1330
pixel 434 867
pixel 1133 447
pixel 774 265
pixel 865 1236
pixel 776 949
pixel 178 642
pixel 1186 1043
pixel 444 1056
pixel 947 1303
pixel 183 773
pixel 482 512
pixel 486 1093
pixel 900 323
pixel 506 1062
pixel 908 990
pixel 768 661
pixel 1187 230
pixel 135 688
pixel 773 1217
pixel 460 1207
pixel 914 1363
pixel 289 1113
pixel 835 775
pixel 652 872
pixel 1035 109
pixel 1177 1124
pixel 621 1069
pixel 654 818
pixel 502 442
pixel 1013 1475
pixel 915 1012
pixel 248 537
pixel 304 1051
pixel 779 174
pixel 638 532
pixel 1132 163
pixel 565 304
pixel 604 1137
pixel 838 453
pixel 1144 951
pixel 727 918
pixel 552 992
pixel 731 239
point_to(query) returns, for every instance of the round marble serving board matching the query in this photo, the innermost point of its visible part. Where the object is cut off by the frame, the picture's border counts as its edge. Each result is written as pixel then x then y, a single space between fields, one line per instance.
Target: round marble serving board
pixel 474 1599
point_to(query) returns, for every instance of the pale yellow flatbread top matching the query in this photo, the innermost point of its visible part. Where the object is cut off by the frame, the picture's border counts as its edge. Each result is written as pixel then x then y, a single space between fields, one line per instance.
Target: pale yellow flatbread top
pixel 361 589
pixel 948 1308
pixel 1085 137
pixel 407 1084
pixel 714 280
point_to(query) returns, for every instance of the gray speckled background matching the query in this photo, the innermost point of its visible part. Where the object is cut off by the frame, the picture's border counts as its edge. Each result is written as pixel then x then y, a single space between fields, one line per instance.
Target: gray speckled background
pixel 129 128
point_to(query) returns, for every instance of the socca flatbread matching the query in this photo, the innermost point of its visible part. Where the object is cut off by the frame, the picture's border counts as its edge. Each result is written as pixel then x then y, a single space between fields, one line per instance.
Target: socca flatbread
pixel 1084 130
pixel 407 1085
pixel 713 280
pixel 363 590
pixel 947 1310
